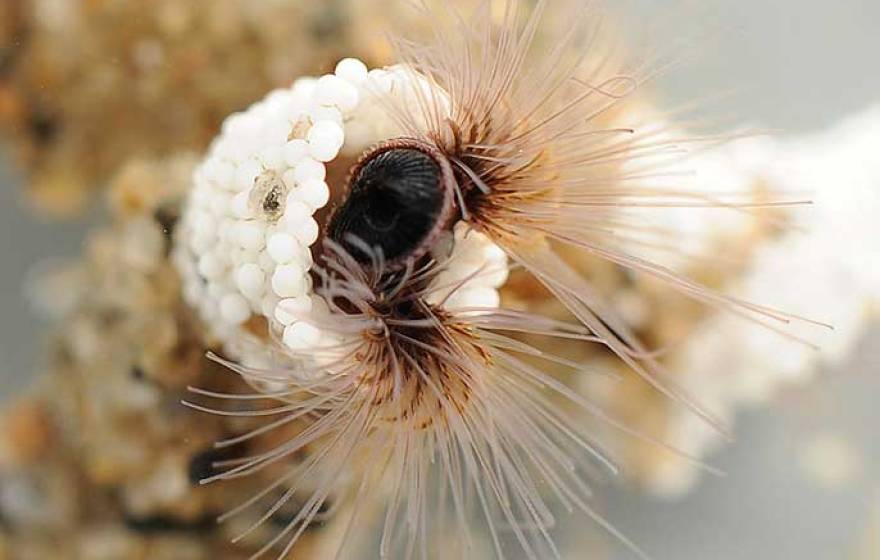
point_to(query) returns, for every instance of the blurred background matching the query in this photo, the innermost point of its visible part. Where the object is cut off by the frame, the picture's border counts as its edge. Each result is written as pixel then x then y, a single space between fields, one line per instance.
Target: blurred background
pixel 796 66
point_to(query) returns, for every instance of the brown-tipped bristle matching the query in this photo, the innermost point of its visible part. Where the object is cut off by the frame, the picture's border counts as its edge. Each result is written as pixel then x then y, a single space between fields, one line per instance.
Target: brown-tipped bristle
pixel 407 370
pixel 554 168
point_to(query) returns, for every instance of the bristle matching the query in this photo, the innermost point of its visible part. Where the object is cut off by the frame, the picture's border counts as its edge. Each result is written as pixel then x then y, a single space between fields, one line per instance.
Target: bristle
pixel 425 399
pixel 430 403
pixel 547 157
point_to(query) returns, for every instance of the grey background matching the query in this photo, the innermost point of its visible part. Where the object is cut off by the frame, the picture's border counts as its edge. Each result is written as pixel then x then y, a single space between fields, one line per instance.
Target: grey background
pixel 795 65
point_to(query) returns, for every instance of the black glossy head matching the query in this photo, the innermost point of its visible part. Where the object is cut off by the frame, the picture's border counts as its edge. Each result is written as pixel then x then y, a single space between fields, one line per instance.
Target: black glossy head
pixel 398 201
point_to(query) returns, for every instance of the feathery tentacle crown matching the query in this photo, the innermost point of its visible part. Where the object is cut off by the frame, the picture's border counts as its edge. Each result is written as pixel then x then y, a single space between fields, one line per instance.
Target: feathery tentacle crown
pixel 346 240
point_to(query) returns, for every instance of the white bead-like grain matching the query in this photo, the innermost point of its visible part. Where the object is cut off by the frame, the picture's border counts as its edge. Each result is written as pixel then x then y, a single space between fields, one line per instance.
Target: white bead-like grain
pixel 219 203
pixel 204 224
pixel 240 206
pixel 268 304
pixel 199 244
pixel 216 289
pixel 211 266
pixel 495 275
pixel 333 90
pixel 239 256
pixel 494 253
pixel 486 298
pixel 282 247
pixel 266 262
pixel 274 133
pixel 295 210
pixel 273 156
pixel 289 281
pixel 306 231
pixel 304 88
pixel 246 174
pixel 330 113
pixel 295 150
pixel 223 174
pixel 352 70
pixel 314 193
pixel 325 138
pixel 234 309
pixel 308 168
pixel 250 235
pixel 289 179
pixel 290 310
pixel 226 230
pixel 209 309
pixel 251 280
pixel 301 336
